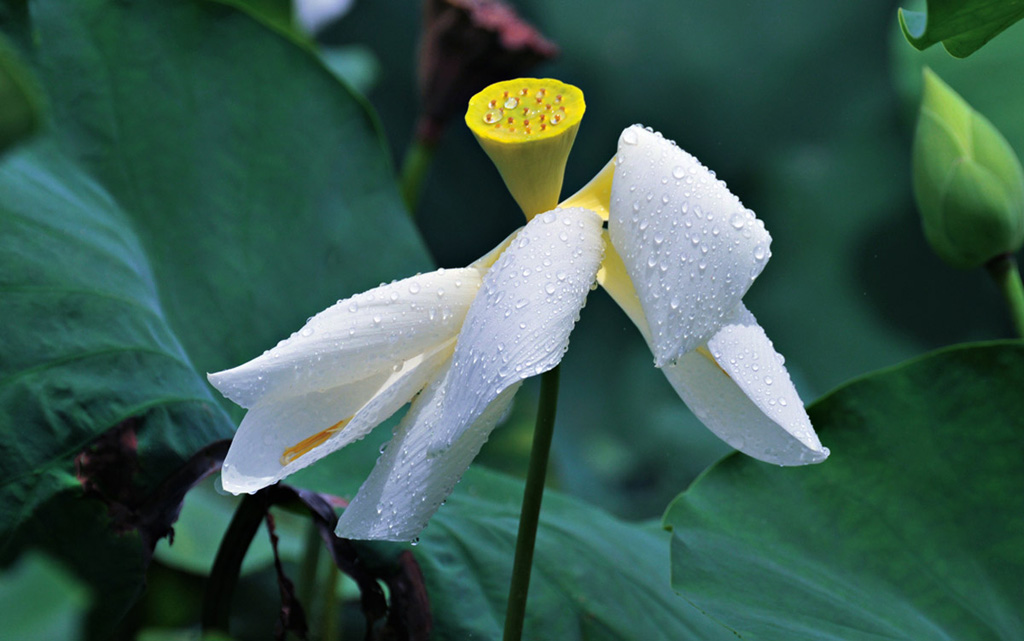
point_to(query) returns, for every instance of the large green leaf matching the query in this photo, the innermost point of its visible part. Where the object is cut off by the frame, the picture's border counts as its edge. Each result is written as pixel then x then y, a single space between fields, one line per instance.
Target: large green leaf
pixel 962 26
pixel 912 529
pixel 86 349
pixel 259 183
pixel 212 185
pixel 594 577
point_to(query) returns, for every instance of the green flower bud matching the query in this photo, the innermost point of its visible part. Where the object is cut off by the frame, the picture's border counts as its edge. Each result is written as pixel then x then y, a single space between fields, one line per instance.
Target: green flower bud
pixel 968 182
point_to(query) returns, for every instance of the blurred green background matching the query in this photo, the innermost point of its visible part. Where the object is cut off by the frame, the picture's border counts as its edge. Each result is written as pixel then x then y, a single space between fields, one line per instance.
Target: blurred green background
pixel 807 112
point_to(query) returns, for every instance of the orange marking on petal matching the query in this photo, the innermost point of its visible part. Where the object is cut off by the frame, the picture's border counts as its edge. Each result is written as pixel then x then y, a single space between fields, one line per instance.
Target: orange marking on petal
pixel 309 443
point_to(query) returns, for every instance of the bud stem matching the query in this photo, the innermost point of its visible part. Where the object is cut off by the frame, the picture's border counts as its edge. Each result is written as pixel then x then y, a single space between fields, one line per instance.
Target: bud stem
pixel 530 514
pixel 415 165
pixel 1005 273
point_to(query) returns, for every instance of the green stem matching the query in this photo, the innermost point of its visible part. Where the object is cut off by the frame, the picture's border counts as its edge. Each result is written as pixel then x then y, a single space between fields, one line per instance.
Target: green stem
pixel 329 615
pixel 226 566
pixel 1004 272
pixel 530 515
pixel 414 170
pixel 310 564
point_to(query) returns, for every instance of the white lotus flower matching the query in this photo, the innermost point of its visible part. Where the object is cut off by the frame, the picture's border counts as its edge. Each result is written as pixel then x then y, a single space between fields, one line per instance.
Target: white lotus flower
pixel 683 251
pixel 465 337
pixel 679 253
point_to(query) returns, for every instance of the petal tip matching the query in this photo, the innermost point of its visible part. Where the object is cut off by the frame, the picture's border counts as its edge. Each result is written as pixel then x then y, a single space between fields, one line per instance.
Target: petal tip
pixel 807 454
pixel 234 482
pixel 817 456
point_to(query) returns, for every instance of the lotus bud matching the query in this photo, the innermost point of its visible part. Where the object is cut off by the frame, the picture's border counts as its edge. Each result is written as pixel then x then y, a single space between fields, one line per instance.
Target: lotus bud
pixel 968 182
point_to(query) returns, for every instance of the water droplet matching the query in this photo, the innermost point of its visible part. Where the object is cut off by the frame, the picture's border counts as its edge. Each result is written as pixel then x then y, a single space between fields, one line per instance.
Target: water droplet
pixel 306 331
pixel 511 102
pixel 629 137
pixel 493 115
pixel 678 172
pixel 759 252
pixel 550 288
pixel 737 220
pixel 414 288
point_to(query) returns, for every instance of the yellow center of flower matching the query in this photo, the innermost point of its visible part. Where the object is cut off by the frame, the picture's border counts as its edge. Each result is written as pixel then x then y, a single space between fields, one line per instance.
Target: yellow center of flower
pixel 525 109
pixel 527 127
pixel 307 444
pixel 703 351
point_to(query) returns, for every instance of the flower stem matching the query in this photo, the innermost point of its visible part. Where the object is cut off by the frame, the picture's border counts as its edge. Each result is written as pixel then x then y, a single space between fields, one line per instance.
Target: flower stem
pixel 530 515
pixel 226 566
pixel 1005 273
pixel 417 161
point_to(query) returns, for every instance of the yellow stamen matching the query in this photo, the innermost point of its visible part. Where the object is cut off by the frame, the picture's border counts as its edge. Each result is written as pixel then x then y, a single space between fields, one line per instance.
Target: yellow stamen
pixel 529 146
pixel 307 444
pixel 613 277
pixel 703 351
pixel 596 195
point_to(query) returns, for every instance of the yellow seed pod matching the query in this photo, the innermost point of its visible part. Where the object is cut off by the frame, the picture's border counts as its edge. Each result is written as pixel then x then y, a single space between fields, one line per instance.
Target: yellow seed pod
pixel 527 127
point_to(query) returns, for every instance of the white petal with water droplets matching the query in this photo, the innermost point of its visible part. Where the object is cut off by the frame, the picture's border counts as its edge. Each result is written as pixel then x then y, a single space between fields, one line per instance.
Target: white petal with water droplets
pixel 269 428
pixel 520 322
pixel 745 395
pixel 409 484
pixel 689 245
pixel 360 336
